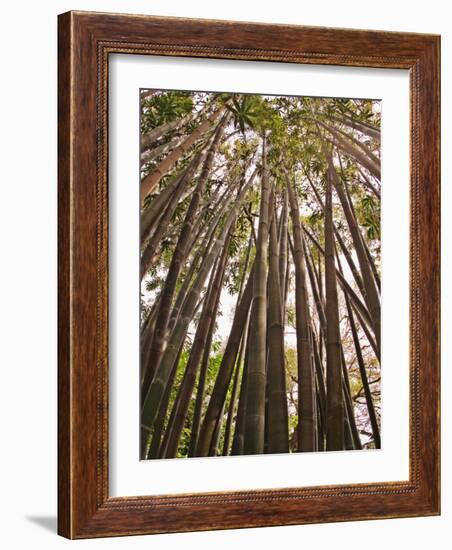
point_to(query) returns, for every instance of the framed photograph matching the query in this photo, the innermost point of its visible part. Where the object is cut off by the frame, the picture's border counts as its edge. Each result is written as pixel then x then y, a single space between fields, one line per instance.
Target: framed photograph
pixel 248 275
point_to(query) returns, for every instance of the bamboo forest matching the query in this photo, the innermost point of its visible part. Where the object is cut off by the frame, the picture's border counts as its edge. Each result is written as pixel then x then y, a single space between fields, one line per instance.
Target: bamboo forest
pixel 260 274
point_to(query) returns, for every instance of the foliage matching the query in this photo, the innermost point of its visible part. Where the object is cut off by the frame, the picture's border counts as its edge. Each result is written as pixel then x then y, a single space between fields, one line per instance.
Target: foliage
pixel 165 107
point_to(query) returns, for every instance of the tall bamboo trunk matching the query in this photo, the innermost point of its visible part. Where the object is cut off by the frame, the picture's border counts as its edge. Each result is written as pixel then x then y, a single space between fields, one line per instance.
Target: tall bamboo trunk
pixel 359 307
pixel 321 390
pixel 349 410
pixel 239 371
pixel 148 139
pixel 201 251
pixel 283 256
pixel 335 406
pixel 153 211
pixel 365 382
pixel 307 420
pixel 370 131
pixel 255 409
pixel 351 263
pixel 199 343
pixel 350 149
pixel 153 153
pixel 357 145
pixel 239 431
pixel 225 370
pixel 146 341
pixel 233 399
pixel 212 420
pixel 154 449
pixel 372 297
pixel 151 181
pixel 179 256
pixel 363 373
pixel 348 436
pixel 153 397
pixel 370 259
pixel 277 414
pixel 344 248
pixel 213 449
pixel 197 414
pixel 151 248
pixel 319 305
pixel 369 184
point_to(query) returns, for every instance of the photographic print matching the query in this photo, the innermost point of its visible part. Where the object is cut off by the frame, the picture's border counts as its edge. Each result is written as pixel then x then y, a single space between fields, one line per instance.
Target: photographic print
pixel 260 274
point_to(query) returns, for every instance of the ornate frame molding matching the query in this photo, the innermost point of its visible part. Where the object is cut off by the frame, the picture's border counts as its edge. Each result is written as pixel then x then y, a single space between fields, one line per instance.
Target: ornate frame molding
pixel 85 42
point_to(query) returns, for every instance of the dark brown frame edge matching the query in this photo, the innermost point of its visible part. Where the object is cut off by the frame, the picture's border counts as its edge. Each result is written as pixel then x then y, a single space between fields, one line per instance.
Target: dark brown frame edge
pixel 84 44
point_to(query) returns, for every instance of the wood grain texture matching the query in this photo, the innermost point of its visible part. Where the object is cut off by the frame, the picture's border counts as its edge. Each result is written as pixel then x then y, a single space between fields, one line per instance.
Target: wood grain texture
pixel 85 42
pixel 64 295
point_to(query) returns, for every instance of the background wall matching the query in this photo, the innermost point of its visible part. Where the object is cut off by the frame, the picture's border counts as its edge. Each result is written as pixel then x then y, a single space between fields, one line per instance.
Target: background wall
pixel 28 269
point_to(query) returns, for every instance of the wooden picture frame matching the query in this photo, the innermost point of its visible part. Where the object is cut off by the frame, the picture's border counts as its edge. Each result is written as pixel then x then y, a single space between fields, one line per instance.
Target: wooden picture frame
pixel 86 40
